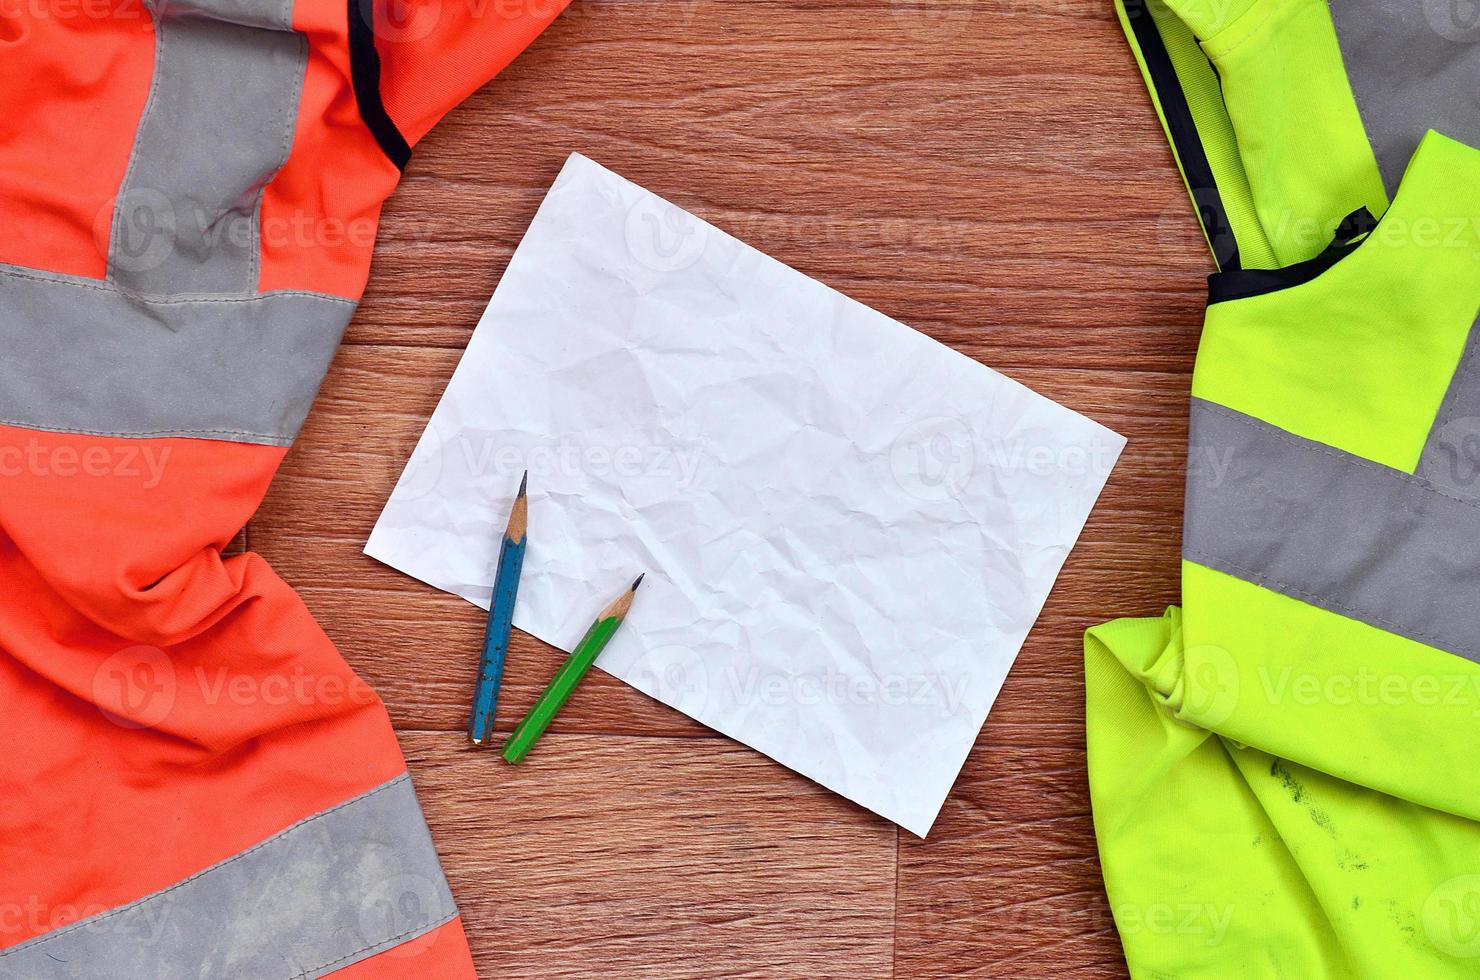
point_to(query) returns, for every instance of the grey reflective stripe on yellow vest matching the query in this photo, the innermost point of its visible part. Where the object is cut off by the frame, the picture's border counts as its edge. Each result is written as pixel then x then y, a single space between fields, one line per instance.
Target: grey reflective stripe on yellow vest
pixel 1332 529
pixel 1414 65
pixel 1451 455
pixel 178 341
pixel 327 892
pixel 1334 453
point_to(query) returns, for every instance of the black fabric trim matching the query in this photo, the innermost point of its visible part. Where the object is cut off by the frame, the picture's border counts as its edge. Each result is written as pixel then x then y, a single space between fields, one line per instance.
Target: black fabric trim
pixel 364 65
pixel 1244 283
pixel 1196 169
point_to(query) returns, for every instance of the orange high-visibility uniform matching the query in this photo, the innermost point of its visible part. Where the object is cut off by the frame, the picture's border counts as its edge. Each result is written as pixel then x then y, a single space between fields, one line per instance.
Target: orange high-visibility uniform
pixel 194 782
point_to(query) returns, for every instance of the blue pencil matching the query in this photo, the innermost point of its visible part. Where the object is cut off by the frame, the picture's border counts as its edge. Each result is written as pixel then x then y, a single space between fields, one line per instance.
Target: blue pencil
pixel 500 619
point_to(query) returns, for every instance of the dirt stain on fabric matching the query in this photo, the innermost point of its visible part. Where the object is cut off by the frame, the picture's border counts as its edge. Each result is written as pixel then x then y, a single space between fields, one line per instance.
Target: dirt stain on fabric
pixel 1300 797
pixel 1403 918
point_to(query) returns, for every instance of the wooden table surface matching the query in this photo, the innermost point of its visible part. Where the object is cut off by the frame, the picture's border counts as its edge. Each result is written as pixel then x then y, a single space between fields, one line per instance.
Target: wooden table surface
pixel 988 171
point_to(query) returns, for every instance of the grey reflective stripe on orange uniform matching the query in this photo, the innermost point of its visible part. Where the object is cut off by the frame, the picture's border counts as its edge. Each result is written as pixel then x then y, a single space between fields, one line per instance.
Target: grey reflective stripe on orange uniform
pixel 1414 65
pixel 178 342
pixel 217 126
pixel 1333 530
pixel 83 356
pixel 327 892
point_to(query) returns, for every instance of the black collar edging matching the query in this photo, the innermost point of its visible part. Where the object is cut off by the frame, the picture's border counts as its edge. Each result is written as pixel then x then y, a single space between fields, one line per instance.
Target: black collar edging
pixel 1181 127
pixel 364 65
pixel 1246 283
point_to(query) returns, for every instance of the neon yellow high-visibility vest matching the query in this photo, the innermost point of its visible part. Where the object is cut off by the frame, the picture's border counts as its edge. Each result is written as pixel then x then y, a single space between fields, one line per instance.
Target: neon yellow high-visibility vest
pixel 1284 770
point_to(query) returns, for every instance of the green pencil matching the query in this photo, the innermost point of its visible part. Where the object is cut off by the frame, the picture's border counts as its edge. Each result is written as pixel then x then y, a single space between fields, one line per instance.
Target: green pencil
pixel 568 678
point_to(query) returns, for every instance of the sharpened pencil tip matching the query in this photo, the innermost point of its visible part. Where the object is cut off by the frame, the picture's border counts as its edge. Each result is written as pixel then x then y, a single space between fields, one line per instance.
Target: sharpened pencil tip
pixel 524 483
pixel 639 581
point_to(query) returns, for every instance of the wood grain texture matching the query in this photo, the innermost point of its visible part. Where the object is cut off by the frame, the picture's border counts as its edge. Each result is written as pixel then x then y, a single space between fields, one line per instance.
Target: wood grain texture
pixel 988 171
pixel 626 857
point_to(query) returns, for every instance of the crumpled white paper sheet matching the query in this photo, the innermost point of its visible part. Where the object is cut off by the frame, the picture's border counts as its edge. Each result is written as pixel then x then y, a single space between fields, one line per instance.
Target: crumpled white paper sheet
pixel 847 528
